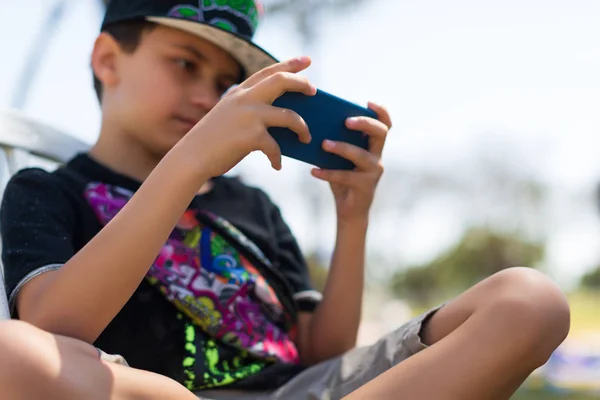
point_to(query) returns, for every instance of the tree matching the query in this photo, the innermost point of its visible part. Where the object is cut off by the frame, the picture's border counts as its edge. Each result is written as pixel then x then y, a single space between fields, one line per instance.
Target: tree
pixel 317 270
pixel 481 252
pixel 591 280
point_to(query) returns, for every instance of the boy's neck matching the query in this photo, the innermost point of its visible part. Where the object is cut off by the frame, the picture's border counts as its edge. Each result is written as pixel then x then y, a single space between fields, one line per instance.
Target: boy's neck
pixel 126 158
pixel 118 153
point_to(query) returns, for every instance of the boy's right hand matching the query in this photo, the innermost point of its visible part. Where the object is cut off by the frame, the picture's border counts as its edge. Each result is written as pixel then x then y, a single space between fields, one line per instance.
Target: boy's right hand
pixel 238 124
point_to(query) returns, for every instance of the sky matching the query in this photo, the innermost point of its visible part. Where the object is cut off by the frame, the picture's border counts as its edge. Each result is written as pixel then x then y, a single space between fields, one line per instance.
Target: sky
pixel 517 77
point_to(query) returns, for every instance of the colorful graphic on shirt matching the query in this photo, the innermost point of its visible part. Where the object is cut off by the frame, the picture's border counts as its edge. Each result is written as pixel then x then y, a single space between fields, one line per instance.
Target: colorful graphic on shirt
pixel 214 368
pixel 236 319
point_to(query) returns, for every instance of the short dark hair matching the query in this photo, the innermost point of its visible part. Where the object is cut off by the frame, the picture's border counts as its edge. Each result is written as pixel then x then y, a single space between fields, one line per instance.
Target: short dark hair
pixel 128 34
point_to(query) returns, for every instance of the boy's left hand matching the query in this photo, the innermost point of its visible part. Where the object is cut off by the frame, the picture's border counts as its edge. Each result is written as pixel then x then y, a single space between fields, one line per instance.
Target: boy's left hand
pixel 354 190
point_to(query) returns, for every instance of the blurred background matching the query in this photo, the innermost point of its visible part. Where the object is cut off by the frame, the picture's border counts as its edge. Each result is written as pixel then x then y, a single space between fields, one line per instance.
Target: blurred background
pixel 493 160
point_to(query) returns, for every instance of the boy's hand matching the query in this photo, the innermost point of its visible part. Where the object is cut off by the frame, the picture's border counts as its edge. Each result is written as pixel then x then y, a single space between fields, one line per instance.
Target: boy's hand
pixel 354 190
pixel 238 124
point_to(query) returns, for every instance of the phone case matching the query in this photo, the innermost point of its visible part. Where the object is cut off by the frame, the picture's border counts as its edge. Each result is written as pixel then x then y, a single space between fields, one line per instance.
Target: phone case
pixel 325 115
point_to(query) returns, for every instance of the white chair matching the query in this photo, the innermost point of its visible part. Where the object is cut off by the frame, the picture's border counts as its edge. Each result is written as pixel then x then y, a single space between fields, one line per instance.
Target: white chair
pixel 25 142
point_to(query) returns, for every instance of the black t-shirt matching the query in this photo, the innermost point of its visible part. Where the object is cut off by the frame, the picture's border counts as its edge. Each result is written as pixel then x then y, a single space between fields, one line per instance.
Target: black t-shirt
pixel 46 218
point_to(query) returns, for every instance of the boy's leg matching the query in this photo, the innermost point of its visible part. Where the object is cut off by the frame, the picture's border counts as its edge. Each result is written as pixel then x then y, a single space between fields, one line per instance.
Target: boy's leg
pixel 484 344
pixel 35 364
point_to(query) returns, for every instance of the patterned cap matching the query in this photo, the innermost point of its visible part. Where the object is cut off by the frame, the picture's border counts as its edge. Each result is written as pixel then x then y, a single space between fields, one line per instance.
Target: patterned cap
pixel 229 24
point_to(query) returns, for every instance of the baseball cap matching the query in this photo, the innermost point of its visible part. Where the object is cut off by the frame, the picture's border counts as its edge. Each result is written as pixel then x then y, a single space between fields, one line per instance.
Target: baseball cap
pixel 229 24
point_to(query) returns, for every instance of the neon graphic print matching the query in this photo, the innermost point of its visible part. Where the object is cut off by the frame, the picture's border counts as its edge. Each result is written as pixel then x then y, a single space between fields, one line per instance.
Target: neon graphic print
pixel 223 295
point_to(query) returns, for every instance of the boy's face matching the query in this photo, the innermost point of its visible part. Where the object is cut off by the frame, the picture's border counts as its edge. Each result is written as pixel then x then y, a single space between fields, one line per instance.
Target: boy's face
pixel 155 95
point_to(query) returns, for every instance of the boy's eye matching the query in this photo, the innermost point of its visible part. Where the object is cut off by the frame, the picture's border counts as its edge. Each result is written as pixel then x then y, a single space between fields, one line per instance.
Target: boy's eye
pixel 186 65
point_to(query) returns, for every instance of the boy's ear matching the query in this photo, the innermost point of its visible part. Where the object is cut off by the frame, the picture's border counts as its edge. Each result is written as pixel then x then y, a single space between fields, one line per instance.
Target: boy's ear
pixel 104 59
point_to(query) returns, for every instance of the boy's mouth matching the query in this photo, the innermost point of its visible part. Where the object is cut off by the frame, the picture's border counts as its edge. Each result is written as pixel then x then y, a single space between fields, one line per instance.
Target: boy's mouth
pixel 188 123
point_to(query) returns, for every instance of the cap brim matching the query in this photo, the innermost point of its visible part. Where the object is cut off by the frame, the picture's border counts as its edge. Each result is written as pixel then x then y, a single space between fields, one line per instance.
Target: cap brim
pixel 251 57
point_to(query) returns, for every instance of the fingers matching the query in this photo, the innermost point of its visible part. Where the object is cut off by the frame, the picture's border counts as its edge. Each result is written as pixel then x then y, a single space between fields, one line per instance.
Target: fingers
pixel 362 159
pixel 376 130
pixel 293 65
pixel 271 149
pixel 277 84
pixel 382 114
pixel 351 179
pixel 284 118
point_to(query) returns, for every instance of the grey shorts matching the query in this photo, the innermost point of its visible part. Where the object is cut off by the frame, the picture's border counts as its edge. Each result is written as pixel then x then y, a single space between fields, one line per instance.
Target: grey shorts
pixel 113 358
pixel 340 376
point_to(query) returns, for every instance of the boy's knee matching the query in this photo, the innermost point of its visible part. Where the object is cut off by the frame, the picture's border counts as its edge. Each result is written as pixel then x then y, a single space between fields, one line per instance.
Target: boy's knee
pixel 14 335
pixel 533 306
pixel 20 370
pixel 23 347
pixel 34 363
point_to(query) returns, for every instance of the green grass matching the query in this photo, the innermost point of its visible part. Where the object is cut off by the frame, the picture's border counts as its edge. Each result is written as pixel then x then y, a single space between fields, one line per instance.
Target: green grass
pixel 584 311
pixel 526 394
pixel 584 318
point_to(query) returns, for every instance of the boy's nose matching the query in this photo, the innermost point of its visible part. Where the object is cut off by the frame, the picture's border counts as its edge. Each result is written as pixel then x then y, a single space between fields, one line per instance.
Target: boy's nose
pixel 205 96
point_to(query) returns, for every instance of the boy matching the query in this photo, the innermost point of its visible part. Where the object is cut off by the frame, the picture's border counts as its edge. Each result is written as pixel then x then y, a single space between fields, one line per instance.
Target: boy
pixel 142 249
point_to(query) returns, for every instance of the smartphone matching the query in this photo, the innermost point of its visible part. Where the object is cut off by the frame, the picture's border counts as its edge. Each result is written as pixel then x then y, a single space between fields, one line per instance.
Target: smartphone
pixel 325 115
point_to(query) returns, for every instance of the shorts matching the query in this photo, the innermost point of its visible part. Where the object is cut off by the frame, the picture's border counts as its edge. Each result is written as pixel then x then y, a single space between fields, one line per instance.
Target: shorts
pixel 113 358
pixel 339 376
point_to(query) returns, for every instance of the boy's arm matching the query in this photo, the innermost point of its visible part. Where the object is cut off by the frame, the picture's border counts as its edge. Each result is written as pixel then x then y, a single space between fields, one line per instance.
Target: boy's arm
pixel 333 327
pixel 82 297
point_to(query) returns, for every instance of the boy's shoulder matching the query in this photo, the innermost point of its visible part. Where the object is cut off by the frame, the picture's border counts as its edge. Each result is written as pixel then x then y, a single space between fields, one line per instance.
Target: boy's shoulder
pixel 39 180
pixel 34 174
pixel 36 191
pixel 34 179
